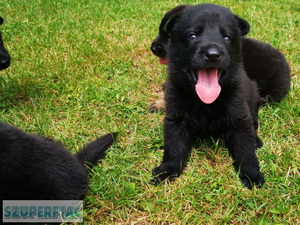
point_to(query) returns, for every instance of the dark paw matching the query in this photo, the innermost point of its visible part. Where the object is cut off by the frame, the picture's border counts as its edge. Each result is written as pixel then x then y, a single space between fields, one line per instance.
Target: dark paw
pixel 165 171
pixel 250 180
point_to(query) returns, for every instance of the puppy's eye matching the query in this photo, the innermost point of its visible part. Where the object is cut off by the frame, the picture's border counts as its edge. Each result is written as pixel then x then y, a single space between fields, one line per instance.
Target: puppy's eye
pixel 227 38
pixel 192 36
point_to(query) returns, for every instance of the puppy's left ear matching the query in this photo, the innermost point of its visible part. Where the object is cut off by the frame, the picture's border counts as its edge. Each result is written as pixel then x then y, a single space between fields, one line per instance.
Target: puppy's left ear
pixel 170 24
pixel 243 25
pixel 170 18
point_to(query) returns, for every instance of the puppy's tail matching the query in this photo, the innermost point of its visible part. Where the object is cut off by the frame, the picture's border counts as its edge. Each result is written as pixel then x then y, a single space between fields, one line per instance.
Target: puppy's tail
pixel 95 150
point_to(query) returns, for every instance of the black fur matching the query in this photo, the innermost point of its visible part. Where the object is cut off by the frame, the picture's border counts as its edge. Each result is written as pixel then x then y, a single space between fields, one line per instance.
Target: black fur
pixel 262 62
pixel 4 56
pixel 37 168
pixel 268 67
pixel 233 115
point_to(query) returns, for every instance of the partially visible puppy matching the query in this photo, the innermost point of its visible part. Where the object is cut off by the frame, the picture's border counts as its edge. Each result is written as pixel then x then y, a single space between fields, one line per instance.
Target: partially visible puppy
pixel 4 56
pixel 159 44
pixel 37 168
pixel 263 63
pixel 268 67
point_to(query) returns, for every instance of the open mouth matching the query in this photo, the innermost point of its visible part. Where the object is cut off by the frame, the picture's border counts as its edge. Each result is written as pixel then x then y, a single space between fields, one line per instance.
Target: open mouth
pixel 163 61
pixel 207 84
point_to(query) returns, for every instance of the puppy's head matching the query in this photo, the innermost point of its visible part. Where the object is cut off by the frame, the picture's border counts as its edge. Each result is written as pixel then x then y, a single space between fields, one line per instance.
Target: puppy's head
pixel 4 56
pixel 159 44
pixel 205 44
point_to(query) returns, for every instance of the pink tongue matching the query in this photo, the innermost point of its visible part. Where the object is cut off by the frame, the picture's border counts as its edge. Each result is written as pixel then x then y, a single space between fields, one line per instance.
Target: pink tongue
pixel 207 87
pixel 163 61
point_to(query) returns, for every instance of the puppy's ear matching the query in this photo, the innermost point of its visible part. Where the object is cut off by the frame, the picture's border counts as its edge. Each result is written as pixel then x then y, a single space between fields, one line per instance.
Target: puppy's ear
pixel 171 23
pixel 169 18
pixel 243 25
pixel 1 20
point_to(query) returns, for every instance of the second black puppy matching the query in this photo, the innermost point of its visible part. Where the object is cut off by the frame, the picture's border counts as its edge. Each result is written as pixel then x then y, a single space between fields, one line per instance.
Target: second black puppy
pixel 208 92
pixel 37 168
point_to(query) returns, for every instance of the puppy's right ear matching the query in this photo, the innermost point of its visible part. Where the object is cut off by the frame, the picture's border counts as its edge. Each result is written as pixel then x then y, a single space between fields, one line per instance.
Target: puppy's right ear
pixel 243 25
pixel 170 17
pixel 1 20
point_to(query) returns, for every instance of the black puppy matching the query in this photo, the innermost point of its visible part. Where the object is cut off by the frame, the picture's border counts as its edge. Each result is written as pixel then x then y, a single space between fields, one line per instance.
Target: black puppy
pixel 262 63
pixel 4 56
pixel 36 168
pixel 208 92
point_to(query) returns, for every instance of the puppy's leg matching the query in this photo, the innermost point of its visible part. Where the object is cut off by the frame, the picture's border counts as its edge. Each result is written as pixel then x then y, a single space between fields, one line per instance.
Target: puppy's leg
pixel 242 141
pixel 178 145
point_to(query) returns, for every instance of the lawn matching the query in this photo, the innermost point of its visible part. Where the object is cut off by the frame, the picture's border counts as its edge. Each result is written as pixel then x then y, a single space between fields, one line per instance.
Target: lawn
pixel 83 68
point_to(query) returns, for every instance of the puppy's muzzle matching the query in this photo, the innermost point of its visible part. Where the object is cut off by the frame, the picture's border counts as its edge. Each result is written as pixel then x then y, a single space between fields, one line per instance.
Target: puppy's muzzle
pixel 156 48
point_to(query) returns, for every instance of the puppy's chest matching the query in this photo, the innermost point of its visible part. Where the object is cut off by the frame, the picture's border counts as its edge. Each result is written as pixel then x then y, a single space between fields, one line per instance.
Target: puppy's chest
pixel 208 123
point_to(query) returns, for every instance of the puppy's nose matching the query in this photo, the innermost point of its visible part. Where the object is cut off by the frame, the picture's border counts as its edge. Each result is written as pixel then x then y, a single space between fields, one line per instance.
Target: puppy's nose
pixel 212 54
pixel 155 47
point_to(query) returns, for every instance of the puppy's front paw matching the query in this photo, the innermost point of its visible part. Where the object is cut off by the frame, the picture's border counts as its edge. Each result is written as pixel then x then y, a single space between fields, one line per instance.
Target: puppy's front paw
pixel 252 179
pixel 165 171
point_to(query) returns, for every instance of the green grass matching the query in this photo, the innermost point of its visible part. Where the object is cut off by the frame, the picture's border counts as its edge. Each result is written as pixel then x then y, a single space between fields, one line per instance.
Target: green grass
pixel 83 68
